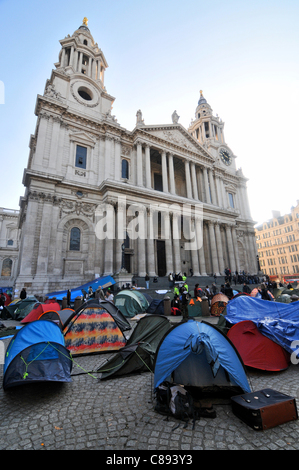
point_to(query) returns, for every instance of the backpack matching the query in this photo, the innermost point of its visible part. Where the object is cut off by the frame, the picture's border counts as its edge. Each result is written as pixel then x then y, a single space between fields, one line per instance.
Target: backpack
pixel 174 400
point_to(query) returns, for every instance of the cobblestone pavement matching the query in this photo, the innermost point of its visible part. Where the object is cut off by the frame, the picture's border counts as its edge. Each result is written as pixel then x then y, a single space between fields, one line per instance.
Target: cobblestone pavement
pixel 118 414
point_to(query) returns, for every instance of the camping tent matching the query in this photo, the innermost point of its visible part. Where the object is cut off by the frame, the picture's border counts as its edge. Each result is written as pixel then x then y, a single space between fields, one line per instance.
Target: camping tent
pixel 197 355
pixel 40 308
pixel 139 353
pixel 131 302
pixel 37 354
pixel 218 304
pixel 194 307
pixel 65 314
pixel 104 282
pixel 278 321
pixel 257 350
pixel 52 315
pixel 93 329
pixel 156 306
pixel 19 308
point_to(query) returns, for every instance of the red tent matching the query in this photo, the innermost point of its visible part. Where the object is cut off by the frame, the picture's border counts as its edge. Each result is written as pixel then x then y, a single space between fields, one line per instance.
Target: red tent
pixel 39 309
pixel 255 349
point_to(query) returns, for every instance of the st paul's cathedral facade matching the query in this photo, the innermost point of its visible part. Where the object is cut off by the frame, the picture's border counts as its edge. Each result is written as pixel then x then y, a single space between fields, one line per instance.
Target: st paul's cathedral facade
pixel 86 175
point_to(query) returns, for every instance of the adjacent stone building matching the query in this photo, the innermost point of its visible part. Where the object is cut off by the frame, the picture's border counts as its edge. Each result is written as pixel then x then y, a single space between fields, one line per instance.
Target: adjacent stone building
pixel 9 247
pixel 278 245
pixel 92 185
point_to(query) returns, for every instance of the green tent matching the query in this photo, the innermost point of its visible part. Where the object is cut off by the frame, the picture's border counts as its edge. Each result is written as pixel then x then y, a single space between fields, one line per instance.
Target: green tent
pixel 18 309
pixel 139 353
pixel 130 302
pixel 194 308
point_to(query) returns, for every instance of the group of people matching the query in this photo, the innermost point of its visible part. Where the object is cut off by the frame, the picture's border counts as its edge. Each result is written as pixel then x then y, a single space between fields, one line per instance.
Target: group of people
pixel 98 294
pixel 240 277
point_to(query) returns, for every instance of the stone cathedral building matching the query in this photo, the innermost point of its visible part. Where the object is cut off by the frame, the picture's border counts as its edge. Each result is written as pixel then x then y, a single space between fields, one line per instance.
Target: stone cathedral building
pixel 81 158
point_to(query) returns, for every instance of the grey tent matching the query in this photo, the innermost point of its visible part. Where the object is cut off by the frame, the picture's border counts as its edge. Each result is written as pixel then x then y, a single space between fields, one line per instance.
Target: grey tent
pixel 139 352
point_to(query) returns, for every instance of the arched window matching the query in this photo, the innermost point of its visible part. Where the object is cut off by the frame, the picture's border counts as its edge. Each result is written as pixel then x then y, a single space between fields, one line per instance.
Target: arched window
pixel 75 239
pixel 6 267
pixel 125 169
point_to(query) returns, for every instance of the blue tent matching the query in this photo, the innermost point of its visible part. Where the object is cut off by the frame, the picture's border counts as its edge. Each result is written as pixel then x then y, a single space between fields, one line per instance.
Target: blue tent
pixel 197 354
pixel 36 354
pixel 278 321
pixel 105 281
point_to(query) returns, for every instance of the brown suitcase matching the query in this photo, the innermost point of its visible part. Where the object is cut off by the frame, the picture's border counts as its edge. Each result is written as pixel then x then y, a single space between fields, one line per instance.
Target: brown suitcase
pixel 264 409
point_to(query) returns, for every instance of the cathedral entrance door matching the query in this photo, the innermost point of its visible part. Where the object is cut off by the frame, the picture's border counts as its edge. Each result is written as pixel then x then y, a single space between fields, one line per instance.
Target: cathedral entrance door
pixel 161 258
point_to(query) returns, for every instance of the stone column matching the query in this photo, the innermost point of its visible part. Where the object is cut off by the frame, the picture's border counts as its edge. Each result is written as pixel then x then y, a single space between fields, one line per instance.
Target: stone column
pixel 206 185
pixel 168 242
pixel 108 142
pixel 142 233
pixel 194 181
pixel 117 162
pixel 28 237
pixel 72 56
pixel 219 190
pixel 235 244
pixel 79 62
pixel 164 172
pixel 109 242
pixel 176 221
pixel 171 174
pixel 188 180
pixel 139 164
pixel 45 232
pixel 231 254
pixel 148 177
pixel 212 186
pixel 150 245
pixel 120 233
pixel 194 252
pixel 219 248
pixel 200 247
pixel 62 58
pixel 213 248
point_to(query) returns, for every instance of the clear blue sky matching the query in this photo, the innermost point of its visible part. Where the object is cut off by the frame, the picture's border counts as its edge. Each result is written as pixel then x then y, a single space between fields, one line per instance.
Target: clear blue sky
pixel 243 55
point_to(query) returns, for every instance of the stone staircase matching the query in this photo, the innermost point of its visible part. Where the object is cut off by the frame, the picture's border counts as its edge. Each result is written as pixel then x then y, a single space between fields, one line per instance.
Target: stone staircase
pixel 163 284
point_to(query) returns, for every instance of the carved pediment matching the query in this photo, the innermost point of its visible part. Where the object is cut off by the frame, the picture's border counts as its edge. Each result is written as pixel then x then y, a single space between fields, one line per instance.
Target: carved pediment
pixel 177 135
pixel 82 137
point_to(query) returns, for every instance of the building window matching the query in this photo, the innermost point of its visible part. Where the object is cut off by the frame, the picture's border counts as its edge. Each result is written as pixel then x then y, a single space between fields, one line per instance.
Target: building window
pixel 10 243
pixel 125 169
pixel 81 154
pixel 6 267
pixel 75 239
pixel 231 200
pixel 158 183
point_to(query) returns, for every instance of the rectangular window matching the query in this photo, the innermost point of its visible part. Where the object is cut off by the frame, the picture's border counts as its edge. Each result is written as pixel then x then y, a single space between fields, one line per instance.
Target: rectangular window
pixel 231 200
pixel 81 154
pixel 158 183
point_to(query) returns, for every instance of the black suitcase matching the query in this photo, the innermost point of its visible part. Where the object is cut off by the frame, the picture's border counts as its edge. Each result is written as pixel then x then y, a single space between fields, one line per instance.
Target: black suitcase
pixel 264 409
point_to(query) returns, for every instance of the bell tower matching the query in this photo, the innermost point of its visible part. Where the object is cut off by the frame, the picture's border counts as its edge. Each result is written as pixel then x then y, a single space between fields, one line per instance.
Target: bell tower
pixel 208 130
pixel 80 54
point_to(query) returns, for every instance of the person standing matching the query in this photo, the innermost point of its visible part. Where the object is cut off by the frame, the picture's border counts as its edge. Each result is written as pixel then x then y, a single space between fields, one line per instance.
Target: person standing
pixel 147 280
pixel 68 298
pixel 184 304
pixel 23 294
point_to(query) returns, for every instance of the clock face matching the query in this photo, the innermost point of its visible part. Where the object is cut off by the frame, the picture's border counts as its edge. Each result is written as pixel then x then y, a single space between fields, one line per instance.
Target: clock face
pixel 225 156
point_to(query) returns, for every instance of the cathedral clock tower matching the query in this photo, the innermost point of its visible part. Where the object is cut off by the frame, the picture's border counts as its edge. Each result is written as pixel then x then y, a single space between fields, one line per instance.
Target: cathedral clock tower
pixel 208 130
